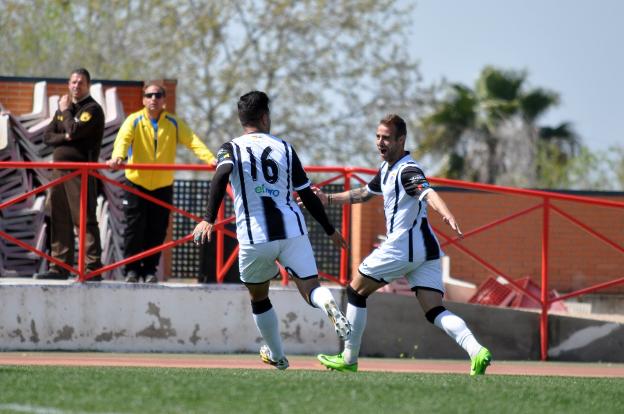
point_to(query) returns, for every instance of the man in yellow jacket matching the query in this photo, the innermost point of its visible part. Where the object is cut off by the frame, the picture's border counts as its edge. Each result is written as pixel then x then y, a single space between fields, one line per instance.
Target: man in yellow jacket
pixel 150 136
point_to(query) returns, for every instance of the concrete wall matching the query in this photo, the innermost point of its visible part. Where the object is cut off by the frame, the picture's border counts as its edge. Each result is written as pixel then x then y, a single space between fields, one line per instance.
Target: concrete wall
pixel 397 328
pixel 119 317
pixel 152 318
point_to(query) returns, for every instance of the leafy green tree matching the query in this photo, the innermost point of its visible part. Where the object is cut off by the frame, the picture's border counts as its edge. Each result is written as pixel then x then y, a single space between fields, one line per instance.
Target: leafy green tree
pixel 593 170
pixel 617 165
pixel 332 68
pixel 490 133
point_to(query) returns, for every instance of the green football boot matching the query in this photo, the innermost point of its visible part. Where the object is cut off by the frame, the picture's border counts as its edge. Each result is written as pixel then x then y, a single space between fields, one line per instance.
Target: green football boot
pixel 335 362
pixel 480 362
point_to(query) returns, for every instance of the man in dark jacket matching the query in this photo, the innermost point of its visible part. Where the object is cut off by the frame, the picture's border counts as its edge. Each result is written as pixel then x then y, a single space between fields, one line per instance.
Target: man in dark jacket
pixel 76 134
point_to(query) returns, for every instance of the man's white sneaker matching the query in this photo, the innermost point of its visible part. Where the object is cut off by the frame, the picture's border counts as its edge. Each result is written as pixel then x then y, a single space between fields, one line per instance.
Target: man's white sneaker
pixel 341 324
pixel 265 354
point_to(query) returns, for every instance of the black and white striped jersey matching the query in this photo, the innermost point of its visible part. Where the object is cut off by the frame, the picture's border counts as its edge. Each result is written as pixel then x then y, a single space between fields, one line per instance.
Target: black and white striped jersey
pixel 408 234
pixel 266 170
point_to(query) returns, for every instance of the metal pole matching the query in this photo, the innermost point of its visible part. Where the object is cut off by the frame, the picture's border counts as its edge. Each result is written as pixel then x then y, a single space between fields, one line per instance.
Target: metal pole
pixel 84 178
pixel 346 230
pixel 220 249
pixel 544 298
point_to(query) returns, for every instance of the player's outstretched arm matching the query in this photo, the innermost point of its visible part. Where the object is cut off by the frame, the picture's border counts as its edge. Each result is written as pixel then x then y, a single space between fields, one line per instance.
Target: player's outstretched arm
pixel 358 195
pixel 436 202
pixel 314 205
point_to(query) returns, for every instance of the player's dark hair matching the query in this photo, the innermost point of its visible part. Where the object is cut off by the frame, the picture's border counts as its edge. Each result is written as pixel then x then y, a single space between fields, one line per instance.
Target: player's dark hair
pixel 396 122
pixel 81 72
pixel 251 107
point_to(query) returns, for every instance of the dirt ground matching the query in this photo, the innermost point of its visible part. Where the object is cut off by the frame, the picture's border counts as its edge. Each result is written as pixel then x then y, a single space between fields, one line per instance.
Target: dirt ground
pixel 309 363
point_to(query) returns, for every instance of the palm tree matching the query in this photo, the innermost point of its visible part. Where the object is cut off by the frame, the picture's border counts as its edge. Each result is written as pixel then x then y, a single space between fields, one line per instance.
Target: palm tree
pixel 490 133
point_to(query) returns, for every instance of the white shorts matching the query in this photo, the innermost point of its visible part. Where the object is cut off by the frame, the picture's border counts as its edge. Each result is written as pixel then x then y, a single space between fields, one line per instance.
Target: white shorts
pixel 256 262
pixel 427 274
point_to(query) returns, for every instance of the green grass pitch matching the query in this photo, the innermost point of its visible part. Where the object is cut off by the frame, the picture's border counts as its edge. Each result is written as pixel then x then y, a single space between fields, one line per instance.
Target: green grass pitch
pixel 60 390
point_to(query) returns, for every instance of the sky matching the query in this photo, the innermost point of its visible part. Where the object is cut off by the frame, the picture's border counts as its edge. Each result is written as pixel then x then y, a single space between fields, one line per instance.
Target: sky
pixel 573 47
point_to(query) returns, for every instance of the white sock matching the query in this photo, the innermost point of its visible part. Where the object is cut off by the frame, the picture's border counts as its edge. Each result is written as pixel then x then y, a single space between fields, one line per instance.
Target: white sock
pixel 269 329
pixel 357 318
pixel 456 328
pixel 320 296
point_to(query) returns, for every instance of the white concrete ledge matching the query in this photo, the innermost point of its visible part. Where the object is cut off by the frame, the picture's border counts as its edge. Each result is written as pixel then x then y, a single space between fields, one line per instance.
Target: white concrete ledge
pixel 114 316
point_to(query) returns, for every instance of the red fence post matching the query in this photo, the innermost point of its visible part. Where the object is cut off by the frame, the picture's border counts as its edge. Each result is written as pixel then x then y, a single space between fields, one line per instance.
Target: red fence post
pixel 84 178
pixel 544 298
pixel 220 249
pixel 346 233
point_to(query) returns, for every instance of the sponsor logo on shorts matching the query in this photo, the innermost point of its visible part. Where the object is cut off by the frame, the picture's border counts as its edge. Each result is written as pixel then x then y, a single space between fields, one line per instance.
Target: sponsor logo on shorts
pixel 261 189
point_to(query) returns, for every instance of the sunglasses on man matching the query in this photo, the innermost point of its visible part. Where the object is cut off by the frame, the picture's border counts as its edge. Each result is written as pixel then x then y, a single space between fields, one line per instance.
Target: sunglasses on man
pixel 151 95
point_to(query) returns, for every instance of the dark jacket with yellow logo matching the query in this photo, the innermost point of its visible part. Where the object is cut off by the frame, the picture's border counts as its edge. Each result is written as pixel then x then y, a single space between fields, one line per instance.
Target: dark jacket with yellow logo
pixel 84 122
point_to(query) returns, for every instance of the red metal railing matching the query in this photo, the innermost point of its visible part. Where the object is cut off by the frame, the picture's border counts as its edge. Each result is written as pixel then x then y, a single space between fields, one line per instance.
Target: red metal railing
pixel 84 170
pixel 346 174
pixel 546 197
